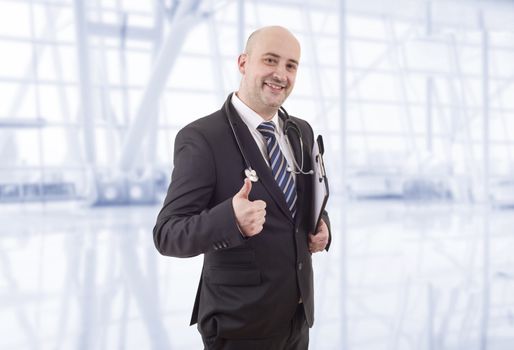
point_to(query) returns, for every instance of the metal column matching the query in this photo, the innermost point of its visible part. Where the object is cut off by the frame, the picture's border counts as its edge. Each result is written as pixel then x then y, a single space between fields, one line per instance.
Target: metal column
pixel 486 278
pixel 182 23
pixel 85 106
pixel 344 132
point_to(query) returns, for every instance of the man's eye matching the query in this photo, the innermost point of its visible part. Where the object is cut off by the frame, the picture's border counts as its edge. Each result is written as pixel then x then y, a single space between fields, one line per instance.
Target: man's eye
pixel 291 66
pixel 270 60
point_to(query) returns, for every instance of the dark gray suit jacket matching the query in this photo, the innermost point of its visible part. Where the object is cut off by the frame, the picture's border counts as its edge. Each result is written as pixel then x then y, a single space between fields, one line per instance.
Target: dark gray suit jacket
pixel 249 288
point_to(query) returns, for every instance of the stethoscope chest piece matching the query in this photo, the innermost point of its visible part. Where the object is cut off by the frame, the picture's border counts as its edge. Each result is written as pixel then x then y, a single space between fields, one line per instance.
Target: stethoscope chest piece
pixel 251 174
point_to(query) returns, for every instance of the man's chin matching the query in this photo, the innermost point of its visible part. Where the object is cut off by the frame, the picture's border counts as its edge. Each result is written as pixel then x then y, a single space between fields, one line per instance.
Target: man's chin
pixel 274 101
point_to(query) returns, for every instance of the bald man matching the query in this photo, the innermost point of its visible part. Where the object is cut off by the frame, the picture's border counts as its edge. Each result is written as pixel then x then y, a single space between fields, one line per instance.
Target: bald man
pixel 238 196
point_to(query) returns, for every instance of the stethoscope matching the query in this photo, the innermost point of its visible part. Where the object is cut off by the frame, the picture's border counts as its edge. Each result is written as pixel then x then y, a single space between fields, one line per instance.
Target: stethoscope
pixel 289 125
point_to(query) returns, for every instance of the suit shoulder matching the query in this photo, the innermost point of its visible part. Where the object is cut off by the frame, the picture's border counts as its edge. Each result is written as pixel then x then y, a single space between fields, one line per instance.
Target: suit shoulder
pixel 304 126
pixel 301 122
pixel 209 126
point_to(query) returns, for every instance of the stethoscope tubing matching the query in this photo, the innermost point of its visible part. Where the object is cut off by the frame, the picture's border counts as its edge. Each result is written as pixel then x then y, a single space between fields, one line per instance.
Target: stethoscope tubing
pixel 289 124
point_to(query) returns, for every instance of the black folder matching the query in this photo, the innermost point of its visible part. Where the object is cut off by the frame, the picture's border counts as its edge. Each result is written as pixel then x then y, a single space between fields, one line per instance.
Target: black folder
pixel 320 182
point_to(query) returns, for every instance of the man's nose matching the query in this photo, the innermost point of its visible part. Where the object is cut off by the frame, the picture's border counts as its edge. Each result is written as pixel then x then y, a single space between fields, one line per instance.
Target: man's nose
pixel 280 73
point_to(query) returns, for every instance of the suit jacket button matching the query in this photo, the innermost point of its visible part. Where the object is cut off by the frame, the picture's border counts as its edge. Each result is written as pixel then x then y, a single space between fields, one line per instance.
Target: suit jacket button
pixel 300 265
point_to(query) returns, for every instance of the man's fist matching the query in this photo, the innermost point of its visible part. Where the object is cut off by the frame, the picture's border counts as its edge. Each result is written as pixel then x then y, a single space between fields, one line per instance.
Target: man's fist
pixel 250 215
pixel 318 242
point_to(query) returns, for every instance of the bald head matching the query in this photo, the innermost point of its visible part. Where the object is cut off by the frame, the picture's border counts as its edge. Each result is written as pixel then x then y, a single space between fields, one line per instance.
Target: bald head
pixel 266 32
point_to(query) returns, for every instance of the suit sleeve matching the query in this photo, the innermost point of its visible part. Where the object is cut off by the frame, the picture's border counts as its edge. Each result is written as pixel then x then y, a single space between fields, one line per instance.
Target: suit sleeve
pixel 326 219
pixel 187 224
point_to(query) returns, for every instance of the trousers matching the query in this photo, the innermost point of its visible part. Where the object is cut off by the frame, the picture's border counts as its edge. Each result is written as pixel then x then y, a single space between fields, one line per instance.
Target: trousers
pixel 296 337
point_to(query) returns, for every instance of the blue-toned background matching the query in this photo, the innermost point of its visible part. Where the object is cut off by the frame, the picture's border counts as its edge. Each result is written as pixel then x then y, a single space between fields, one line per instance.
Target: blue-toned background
pixel 414 98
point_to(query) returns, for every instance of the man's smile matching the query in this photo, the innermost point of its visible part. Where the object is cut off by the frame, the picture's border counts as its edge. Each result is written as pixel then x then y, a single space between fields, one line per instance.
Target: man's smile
pixel 275 86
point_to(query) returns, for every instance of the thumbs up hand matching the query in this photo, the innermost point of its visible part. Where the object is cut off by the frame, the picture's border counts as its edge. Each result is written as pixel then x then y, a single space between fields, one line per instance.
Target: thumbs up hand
pixel 250 216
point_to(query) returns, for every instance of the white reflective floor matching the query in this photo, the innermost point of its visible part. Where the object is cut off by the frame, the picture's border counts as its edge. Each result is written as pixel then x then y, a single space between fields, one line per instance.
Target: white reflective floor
pixel 399 276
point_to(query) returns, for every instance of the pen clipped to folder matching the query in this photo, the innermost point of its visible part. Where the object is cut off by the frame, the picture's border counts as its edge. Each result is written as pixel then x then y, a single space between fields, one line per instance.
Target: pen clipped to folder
pixel 320 183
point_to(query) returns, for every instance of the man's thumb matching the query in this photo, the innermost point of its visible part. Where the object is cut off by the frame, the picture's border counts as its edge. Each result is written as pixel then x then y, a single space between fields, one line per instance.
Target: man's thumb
pixel 244 192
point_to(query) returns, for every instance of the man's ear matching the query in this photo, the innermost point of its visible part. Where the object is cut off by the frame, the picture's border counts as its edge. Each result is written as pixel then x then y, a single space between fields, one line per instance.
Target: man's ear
pixel 241 62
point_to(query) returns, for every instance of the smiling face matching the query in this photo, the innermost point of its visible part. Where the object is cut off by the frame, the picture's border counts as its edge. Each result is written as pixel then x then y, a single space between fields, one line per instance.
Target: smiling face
pixel 269 67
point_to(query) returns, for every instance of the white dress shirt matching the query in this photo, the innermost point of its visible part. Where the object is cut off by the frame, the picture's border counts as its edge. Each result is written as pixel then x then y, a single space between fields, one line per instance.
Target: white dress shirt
pixel 253 120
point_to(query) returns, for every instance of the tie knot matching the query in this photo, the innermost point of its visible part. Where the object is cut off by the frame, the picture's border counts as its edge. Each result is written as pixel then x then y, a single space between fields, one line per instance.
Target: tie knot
pixel 267 129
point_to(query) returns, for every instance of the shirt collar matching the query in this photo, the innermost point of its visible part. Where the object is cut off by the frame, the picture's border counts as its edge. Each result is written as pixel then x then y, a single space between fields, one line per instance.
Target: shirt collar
pixel 249 116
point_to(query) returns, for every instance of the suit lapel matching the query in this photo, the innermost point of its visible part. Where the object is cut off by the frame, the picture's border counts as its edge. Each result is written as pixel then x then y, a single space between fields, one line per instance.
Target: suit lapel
pixel 254 156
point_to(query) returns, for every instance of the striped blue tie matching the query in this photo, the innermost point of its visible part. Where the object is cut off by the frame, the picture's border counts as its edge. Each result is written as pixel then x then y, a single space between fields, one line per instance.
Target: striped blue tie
pixel 278 164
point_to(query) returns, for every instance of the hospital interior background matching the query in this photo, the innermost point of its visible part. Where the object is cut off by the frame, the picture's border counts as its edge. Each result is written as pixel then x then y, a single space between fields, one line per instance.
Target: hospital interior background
pixel 415 101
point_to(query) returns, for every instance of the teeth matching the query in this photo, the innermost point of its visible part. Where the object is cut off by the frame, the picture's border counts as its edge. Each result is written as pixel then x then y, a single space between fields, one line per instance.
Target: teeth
pixel 274 86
